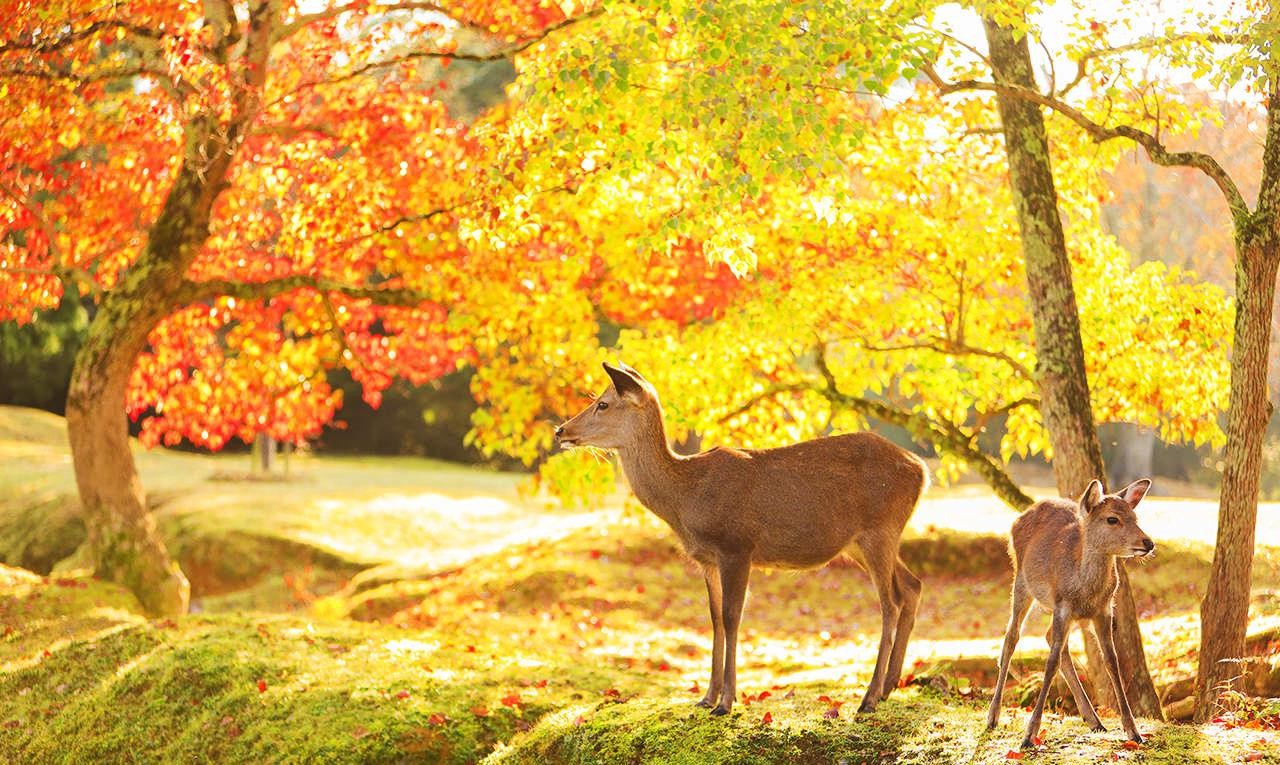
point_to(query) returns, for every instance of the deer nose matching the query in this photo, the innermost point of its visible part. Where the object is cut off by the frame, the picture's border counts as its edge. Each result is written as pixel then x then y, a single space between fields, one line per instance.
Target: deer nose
pixel 1147 543
pixel 559 431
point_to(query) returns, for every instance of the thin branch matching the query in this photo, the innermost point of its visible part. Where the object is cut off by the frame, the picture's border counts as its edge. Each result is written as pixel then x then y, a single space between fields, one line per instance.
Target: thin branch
pixel 953 348
pixel 202 291
pixel 496 55
pixel 291 28
pixel 767 394
pixel 47 45
pixel 1156 150
pixel 290 132
pixel 1146 43
pixel 338 333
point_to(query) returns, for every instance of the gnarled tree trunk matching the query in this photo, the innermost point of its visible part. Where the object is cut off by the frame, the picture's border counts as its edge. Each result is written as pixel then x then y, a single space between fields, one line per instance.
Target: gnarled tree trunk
pixel 1064 388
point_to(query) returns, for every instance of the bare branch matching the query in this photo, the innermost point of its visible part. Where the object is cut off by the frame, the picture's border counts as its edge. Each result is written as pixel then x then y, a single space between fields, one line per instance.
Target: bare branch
pixel 1156 150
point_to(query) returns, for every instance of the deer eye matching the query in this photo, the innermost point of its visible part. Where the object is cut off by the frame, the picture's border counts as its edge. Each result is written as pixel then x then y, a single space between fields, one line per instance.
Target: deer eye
pixel 603 405
pixel 1113 520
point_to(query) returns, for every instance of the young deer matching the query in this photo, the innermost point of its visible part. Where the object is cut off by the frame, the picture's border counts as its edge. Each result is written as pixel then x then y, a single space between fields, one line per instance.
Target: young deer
pixel 1064 556
pixel 797 506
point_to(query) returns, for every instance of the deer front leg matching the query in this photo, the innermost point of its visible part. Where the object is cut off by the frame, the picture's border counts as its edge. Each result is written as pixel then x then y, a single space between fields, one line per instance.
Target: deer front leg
pixel 734 573
pixel 715 599
pixel 1103 627
pixel 1020 604
pixel 1057 638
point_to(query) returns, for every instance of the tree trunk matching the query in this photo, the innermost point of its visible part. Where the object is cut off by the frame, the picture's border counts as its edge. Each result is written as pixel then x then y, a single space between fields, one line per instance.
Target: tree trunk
pixel 1224 612
pixel 1064 388
pixel 123 542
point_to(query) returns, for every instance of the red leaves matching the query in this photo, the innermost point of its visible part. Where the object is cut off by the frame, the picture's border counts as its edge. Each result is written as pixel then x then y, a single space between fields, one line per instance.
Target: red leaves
pixel 511 700
pixel 832 713
pixel 1253 757
pixel 1013 754
pixel 1131 745
pixel 612 693
pixel 437 718
pixel 262 685
pixel 694 688
pixel 480 710
pixel 768 718
pixel 404 694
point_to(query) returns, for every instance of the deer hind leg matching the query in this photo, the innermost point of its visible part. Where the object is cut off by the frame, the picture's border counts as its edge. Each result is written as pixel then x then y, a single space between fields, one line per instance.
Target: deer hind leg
pixel 1068 671
pixel 907 586
pixel 1019 605
pixel 715 599
pixel 880 560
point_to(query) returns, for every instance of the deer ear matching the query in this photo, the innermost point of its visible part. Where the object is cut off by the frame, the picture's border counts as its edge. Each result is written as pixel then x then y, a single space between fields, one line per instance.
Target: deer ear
pixel 623 382
pixel 630 370
pixel 1092 496
pixel 1134 492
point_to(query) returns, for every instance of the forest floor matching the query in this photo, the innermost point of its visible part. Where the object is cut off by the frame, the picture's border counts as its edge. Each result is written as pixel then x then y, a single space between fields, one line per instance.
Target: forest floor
pixel 401 610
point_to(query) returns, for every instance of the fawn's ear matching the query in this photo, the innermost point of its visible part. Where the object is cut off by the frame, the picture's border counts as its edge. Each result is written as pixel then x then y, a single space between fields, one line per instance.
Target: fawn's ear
pixel 1134 492
pixel 624 383
pixel 1092 496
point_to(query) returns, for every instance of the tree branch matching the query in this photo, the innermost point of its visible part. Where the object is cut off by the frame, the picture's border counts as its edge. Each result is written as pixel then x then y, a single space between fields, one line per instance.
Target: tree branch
pixel 1155 149
pixel 202 291
pixel 498 55
pixel 953 348
pixel 49 44
pixel 287 30
pixel 944 436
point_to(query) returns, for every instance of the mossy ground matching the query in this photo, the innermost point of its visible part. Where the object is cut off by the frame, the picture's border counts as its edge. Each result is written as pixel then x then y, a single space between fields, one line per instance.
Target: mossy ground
pixel 487 627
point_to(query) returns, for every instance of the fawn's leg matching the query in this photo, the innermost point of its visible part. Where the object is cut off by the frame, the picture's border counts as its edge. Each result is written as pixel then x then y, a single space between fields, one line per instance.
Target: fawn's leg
pixel 908 589
pixel 1019 604
pixel 1057 638
pixel 734 573
pixel 1068 671
pixel 881 561
pixel 1103 626
pixel 715 598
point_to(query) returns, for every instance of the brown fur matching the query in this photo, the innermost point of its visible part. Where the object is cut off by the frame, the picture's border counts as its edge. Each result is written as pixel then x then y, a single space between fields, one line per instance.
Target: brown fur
pixel 797 506
pixel 1064 556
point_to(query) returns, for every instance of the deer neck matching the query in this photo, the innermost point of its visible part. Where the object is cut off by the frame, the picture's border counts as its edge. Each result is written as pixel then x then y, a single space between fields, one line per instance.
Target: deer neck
pixel 1096 575
pixel 656 473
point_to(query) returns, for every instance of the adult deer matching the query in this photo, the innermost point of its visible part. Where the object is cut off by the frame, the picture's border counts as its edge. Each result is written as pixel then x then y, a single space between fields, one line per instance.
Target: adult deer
pixel 1064 557
pixel 797 506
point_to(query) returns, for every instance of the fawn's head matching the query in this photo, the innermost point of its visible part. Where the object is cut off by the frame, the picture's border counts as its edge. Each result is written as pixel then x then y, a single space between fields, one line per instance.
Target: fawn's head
pixel 616 418
pixel 1110 525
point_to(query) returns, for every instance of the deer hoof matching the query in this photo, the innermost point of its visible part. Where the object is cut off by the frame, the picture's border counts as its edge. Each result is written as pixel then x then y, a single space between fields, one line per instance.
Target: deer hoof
pixel 705 704
pixel 1027 743
pixel 1137 738
pixel 1098 728
pixel 719 710
pixel 866 707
